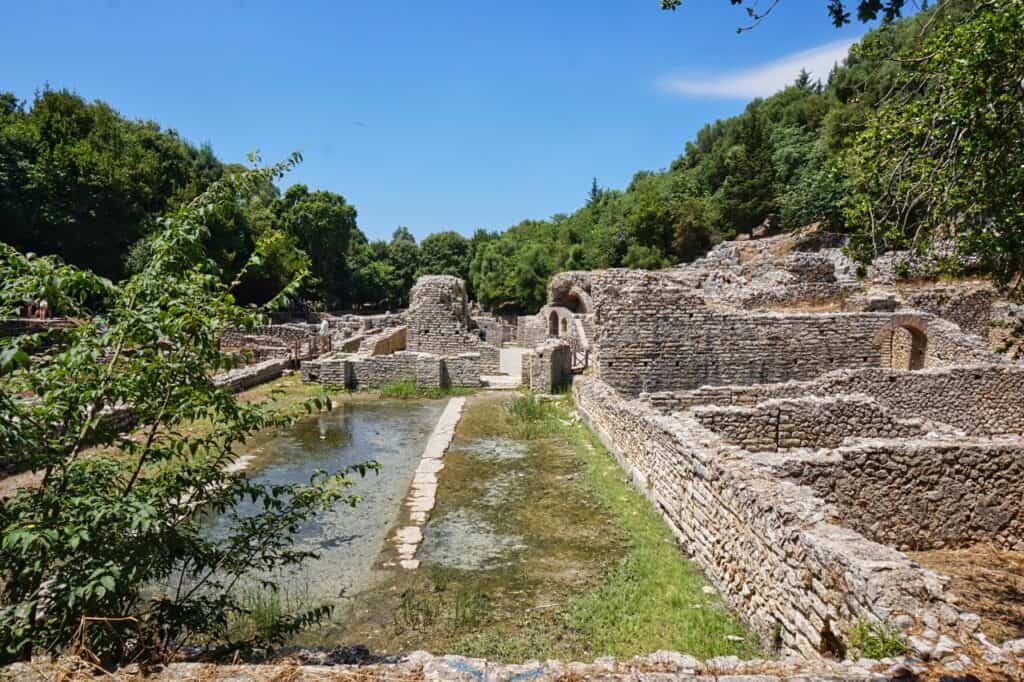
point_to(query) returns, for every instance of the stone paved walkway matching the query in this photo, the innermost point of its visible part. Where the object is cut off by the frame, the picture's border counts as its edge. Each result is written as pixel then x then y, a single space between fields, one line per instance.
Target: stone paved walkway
pixel 423 492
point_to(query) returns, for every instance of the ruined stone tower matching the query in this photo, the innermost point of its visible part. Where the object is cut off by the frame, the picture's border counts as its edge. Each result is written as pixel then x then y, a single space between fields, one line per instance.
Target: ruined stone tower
pixel 438 315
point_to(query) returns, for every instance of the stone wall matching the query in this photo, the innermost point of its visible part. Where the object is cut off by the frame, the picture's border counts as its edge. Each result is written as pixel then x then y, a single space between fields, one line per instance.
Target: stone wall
pixel 438 315
pixel 358 370
pixel 654 334
pixel 765 543
pixel 917 495
pixel 571 290
pixel 384 341
pixel 533 330
pixel 462 370
pixel 497 331
pixel 809 422
pixel 276 340
pixel 547 368
pixel 439 322
pixel 967 306
pixel 981 400
pixel 331 370
pixel 252 375
pixel 375 371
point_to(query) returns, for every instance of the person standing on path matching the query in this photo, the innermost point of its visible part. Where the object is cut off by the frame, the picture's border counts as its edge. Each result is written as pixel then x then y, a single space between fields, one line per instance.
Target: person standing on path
pixel 325 335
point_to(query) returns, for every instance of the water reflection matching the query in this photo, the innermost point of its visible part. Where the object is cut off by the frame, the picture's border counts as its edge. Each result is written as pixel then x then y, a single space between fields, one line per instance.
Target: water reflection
pixel 348 539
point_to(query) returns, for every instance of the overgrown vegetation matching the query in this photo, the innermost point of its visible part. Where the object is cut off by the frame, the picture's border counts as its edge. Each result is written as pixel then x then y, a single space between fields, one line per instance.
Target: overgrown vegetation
pixel 530 417
pixel 875 640
pixel 589 568
pixel 409 390
pixel 83 553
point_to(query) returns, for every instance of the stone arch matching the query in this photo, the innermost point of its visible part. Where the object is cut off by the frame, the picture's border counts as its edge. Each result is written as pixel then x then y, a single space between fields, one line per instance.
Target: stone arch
pixel 553 320
pixel 904 343
pixel 578 301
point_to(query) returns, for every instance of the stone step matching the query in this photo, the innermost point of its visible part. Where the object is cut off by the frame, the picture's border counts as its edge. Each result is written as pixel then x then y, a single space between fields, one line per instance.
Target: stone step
pixel 500 382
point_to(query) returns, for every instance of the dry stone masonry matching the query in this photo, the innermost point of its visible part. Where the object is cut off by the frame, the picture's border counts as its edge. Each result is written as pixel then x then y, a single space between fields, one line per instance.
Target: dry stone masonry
pixel 799 429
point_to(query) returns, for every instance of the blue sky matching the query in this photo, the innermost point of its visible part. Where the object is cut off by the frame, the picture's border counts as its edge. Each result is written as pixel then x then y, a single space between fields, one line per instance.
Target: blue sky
pixel 455 114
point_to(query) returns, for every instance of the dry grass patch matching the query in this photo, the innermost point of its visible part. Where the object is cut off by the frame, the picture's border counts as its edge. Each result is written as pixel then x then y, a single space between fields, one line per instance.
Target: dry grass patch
pixel 989 581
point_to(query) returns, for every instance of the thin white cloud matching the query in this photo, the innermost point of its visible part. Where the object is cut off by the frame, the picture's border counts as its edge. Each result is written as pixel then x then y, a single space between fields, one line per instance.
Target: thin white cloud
pixel 760 81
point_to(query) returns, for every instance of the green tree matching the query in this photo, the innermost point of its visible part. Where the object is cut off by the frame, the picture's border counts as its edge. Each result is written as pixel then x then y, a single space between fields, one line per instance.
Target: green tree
pixel 404 257
pixel 942 157
pixel 114 513
pixel 748 193
pixel 323 223
pixel 444 253
pixel 838 10
pixel 80 181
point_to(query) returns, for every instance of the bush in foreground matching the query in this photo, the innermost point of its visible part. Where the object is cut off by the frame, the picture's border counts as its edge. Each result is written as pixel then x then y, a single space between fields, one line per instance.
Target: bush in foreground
pixel 106 554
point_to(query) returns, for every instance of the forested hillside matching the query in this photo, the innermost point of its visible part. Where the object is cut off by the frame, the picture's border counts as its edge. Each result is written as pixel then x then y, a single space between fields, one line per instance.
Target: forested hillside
pixel 920 133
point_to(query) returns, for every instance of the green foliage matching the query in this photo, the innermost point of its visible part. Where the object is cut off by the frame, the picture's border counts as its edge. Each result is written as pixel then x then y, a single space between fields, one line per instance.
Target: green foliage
pixel 444 253
pixel 460 610
pixel 838 10
pixel 941 158
pixel 323 224
pixel 913 137
pixel 113 517
pixel 408 389
pixel 78 180
pixel 531 418
pixel 875 640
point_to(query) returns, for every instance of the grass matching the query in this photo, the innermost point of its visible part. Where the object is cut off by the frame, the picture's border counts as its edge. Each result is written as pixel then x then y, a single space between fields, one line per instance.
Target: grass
pixel 409 390
pixel 530 418
pixel 875 640
pixel 596 571
pixel 654 597
pixel 264 609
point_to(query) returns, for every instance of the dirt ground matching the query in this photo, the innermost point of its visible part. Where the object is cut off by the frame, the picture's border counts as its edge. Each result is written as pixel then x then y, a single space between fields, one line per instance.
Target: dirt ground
pixel 989 581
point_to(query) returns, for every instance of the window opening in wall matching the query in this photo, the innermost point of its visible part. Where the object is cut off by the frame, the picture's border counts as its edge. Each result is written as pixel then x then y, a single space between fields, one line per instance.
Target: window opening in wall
pixel 553 324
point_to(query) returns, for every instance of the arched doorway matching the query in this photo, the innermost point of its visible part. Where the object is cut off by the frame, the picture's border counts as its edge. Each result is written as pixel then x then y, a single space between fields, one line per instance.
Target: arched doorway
pixel 907 348
pixel 553 324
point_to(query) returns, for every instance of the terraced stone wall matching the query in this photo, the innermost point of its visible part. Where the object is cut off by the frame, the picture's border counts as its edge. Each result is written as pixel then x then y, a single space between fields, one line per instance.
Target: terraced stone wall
pixel 921 494
pixel 656 334
pixel 767 544
pixel 981 400
pixel 809 422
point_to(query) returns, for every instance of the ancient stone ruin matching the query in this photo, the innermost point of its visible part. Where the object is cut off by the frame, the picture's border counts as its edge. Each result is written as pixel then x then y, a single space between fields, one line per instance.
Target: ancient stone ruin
pixel 800 431
pixel 440 344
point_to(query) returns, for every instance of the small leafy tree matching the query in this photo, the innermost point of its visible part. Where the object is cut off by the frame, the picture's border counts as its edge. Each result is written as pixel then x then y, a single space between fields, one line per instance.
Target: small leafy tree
pixel 107 552
pixel 942 157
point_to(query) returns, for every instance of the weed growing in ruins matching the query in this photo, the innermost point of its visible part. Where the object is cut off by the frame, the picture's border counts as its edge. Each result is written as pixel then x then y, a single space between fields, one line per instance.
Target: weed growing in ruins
pixel 408 389
pixel 531 417
pixel 262 610
pixel 875 640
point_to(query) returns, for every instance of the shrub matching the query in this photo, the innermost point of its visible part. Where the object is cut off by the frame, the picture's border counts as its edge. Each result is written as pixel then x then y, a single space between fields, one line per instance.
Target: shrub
pixel 876 640
pixel 83 555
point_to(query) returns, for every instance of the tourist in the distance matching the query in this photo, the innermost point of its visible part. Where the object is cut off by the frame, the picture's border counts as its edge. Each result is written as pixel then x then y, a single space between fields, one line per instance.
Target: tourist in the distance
pixel 325 335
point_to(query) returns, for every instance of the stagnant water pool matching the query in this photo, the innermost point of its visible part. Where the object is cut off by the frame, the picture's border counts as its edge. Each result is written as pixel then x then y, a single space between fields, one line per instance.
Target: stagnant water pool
pixel 349 540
